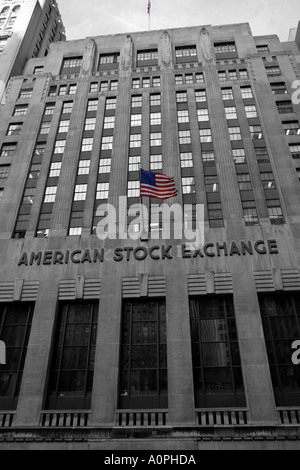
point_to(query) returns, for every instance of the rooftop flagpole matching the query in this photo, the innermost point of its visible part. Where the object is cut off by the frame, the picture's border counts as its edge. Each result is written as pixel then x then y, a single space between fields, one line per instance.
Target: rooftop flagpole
pixel 149 14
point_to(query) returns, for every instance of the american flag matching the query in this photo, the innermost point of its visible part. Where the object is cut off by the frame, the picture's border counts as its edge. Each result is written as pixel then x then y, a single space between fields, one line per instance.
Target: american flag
pixel 157 185
pixel 149 7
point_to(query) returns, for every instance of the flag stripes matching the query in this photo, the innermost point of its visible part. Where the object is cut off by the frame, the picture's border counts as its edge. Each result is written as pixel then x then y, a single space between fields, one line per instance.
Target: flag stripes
pixel 157 185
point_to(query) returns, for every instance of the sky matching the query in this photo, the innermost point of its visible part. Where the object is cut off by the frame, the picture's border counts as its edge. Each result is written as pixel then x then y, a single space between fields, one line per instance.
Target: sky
pixel 101 17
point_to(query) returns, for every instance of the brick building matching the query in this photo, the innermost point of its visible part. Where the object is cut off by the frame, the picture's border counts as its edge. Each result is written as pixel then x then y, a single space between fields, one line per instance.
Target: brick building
pixel 112 340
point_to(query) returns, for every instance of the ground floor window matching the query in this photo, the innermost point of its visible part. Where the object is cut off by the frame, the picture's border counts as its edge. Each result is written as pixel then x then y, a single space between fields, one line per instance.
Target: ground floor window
pixel 15 325
pixel 143 371
pixel 72 364
pixel 281 324
pixel 217 369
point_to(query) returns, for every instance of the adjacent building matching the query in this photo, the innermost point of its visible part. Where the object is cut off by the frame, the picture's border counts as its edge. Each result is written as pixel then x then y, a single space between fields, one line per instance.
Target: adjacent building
pixel 27 28
pixel 149 343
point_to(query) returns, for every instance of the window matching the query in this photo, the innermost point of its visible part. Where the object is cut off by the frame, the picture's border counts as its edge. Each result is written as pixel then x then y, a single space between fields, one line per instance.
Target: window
pixel 224 47
pixel 188 185
pixel 15 129
pixel 187 51
pixel 275 212
pixel 222 76
pixel 62 90
pixel 135 83
pixel 246 92
pixel 208 158
pixel 3 42
pixel 92 105
pixel 28 196
pixel 45 127
pixel 215 353
pixel 90 124
pixel 114 84
pixel 109 122
pixel 250 213
pixel 279 88
pixel 295 150
pixel 205 135
pixel 202 114
pixel 104 86
pixel 143 371
pixel 73 357
pixel 268 180
pixel 243 74
pixel 273 71
pixel 67 107
pixel 211 184
pixel 156 162
pixel 256 132
pixel 25 94
pixel 155 139
pixel 50 194
pixel 1 193
pixel 227 94
pixel 15 326
pixel 199 77
pixel 215 215
pixel 146 82
pixel 84 167
pixel 235 133
pixel 155 119
pixel 55 169
pixel 111 103
pixel 102 191
pixel 134 163
pixel 136 120
pixel 291 128
pixel 185 137
pixel 156 82
pixel 280 319
pixel 63 127
pixel 230 112
pixel 151 54
pixel 232 74
pixel 137 101
pixel 87 144
pixel 20 110
pixel 155 100
pixel 262 48
pixel 4 171
pixel 251 111
pixel 244 182
pixel 94 87
pixel 39 150
pixel 133 189
pixel 59 146
pixel 189 80
pixel 75 230
pixel 49 109
pixel 8 150
pixel 200 96
pixel 107 142
pixel 52 91
pixel 72 62
pixel 72 89
pixel 135 140
pixel 178 80
pixel 182 116
pixel 80 192
pixel 261 154
pixel 239 156
pixel 186 160
pixel 112 58
pixel 181 97
pixel 104 165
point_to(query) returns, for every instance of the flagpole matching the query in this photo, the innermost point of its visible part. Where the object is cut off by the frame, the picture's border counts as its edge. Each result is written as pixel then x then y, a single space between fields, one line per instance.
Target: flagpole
pixel 149 21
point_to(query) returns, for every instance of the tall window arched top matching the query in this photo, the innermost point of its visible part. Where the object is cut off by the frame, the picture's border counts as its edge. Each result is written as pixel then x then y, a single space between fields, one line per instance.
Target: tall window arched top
pixel 4 11
pixel 16 9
